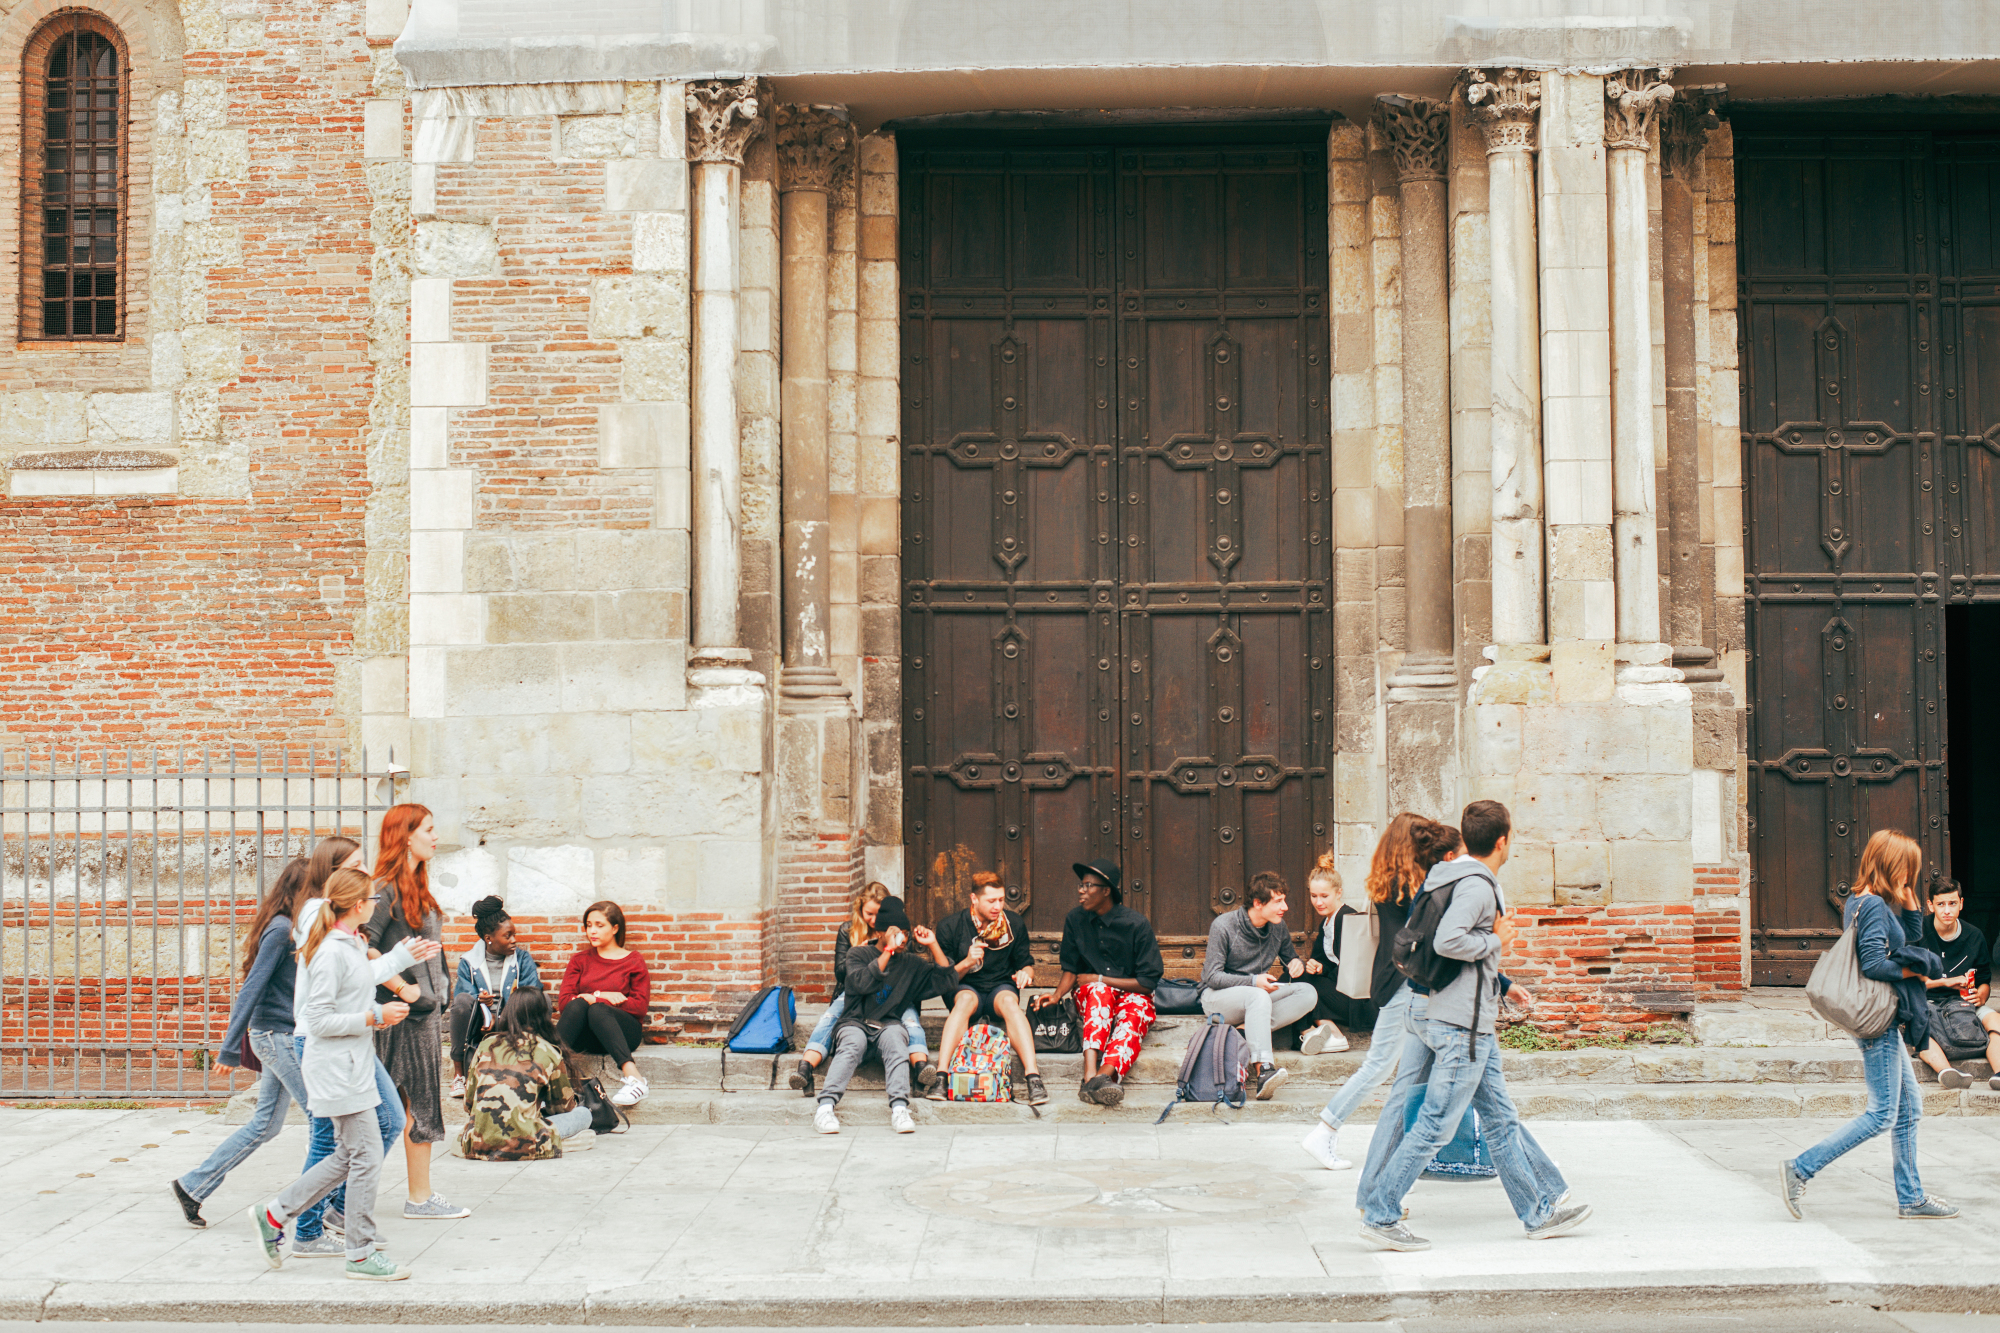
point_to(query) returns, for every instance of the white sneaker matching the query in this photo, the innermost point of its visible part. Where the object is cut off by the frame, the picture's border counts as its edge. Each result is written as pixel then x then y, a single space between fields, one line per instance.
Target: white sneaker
pixel 900 1121
pixel 1325 1037
pixel 1319 1146
pixel 631 1091
pixel 826 1122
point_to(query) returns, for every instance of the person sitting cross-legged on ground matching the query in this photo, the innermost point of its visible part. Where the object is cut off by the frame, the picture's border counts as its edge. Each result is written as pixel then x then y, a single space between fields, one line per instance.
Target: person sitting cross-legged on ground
pixel 1320 1030
pixel 875 909
pixel 879 981
pixel 605 991
pixel 1236 981
pixel 1967 968
pixel 520 1103
pixel 988 946
pixel 1111 961
pixel 488 972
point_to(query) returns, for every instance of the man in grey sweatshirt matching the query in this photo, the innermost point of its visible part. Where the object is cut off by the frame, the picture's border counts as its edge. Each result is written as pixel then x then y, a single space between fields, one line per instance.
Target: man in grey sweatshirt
pixel 1465 1069
pixel 1236 984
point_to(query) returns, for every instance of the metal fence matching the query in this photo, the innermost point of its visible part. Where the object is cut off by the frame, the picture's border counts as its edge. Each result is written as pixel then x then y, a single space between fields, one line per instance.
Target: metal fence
pixel 127 879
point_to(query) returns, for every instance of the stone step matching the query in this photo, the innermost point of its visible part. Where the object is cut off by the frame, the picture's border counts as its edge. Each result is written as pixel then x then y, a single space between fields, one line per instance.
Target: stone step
pixel 1686 1101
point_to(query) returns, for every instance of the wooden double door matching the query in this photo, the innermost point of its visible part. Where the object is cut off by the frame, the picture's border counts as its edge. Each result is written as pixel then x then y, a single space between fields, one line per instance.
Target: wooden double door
pixel 1870 305
pixel 1117 519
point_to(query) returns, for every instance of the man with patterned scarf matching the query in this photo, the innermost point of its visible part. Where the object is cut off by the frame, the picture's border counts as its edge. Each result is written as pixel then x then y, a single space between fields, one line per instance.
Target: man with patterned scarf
pixel 988 947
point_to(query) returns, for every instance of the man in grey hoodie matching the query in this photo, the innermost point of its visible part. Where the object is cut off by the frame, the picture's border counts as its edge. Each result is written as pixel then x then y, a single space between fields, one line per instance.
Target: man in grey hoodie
pixel 1465 1069
pixel 1236 981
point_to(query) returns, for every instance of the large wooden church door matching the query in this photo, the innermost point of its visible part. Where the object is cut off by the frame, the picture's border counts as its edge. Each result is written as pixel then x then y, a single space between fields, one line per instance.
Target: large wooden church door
pixel 1870 295
pixel 1117 520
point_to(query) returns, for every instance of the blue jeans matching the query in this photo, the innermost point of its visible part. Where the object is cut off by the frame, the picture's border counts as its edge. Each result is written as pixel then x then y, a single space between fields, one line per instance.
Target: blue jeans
pixel 1382 1048
pixel 1460 1079
pixel 1413 1071
pixel 280 1086
pixel 1893 1104
pixel 822 1034
pixel 568 1123
pixel 388 1117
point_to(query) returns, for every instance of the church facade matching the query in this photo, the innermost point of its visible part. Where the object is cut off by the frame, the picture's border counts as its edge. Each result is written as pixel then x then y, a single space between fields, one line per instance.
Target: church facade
pixel 731 462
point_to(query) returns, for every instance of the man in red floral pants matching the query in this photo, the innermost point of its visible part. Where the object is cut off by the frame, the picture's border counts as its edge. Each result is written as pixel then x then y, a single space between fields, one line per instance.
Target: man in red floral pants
pixel 1111 962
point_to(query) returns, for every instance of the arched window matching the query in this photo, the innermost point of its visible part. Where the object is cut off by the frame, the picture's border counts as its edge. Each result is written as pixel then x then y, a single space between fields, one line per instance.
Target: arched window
pixel 73 181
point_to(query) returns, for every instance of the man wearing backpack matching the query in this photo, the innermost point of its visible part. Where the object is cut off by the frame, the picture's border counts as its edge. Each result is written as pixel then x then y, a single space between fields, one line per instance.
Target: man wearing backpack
pixel 1959 1008
pixel 1464 929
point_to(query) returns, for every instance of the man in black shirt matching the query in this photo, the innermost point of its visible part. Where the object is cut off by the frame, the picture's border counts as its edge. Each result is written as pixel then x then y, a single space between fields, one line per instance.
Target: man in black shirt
pixel 987 946
pixel 1111 960
pixel 1967 982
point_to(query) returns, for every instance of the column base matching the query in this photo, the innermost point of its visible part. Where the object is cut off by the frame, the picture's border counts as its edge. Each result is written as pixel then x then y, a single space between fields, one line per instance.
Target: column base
pixel 1423 678
pixel 1697 665
pixel 723 678
pixel 811 689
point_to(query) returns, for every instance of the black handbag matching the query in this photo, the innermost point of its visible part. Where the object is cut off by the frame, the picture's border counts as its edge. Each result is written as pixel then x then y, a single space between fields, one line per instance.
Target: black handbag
pixel 1058 1028
pixel 604 1117
pixel 1177 997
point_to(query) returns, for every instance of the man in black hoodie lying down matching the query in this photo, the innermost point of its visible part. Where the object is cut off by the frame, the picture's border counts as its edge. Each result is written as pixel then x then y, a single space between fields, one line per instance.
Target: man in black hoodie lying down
pixel 880 980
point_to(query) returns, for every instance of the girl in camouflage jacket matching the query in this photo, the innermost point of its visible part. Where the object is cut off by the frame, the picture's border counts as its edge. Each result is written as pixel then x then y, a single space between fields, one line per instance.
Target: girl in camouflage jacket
pixel 520 1100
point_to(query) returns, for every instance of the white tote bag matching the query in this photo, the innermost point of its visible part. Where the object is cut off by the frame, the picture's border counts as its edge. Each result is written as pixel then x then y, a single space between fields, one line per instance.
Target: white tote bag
pixel 1357 954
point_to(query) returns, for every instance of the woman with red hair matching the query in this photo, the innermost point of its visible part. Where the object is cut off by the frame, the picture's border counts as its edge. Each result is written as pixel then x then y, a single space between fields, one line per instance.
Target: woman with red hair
pixel 413 1050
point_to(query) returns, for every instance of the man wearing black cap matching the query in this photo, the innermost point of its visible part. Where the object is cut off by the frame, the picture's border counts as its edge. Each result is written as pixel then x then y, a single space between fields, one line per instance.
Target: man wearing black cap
pixel 1111 960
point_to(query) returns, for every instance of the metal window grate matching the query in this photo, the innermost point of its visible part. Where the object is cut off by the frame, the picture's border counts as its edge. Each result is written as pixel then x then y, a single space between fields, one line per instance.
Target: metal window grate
pixel 126 883
pixel 77 181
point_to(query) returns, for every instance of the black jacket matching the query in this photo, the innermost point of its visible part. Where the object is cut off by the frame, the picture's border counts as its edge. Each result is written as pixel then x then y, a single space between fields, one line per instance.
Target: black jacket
pixel 877 996
pixel 1385 979
pixel 1119 943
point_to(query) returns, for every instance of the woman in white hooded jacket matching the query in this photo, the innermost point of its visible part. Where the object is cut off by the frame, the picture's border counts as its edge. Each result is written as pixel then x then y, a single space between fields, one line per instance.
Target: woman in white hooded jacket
pixel 335 1004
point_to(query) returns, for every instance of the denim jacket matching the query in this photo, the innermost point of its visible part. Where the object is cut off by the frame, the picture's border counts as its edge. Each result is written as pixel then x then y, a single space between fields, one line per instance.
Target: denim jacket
pixel 1882 937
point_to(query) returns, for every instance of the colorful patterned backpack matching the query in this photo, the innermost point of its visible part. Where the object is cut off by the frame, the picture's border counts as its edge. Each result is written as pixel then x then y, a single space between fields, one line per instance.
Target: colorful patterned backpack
pixel 981 1069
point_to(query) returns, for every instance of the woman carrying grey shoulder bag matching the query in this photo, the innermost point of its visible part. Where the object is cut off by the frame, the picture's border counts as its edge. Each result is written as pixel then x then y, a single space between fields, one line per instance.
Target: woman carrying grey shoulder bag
pixel 1882 918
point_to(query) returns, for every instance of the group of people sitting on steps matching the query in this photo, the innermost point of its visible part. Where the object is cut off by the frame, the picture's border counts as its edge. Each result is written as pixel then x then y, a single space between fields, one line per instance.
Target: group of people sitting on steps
pixel 977 960
pixel 343 999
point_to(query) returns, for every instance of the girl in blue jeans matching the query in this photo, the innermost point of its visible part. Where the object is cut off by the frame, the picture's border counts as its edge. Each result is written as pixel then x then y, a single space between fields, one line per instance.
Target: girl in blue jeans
pixel 874 909
pixel 1886 915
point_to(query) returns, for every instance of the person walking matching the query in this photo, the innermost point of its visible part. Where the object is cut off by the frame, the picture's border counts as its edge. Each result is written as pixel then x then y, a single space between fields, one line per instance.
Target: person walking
pixel 337 1006
pixel 1886 913
pixel 874 909
pixel 1407 850
pixel 521 1104
pixel 488 972
pixel 605 991
pixel 1465 1068
pixel 413 1050
pixel 1236 981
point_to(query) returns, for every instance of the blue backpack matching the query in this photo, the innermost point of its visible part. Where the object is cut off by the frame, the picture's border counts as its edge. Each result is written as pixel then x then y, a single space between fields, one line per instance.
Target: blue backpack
pixel 763 1028
pixel 1463 1156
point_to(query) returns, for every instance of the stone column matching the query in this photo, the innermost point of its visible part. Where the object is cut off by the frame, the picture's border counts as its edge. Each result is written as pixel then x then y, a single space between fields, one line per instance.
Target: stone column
pixel 722 117
pixel 812 142
pixel 1421 720
pixel 1683 136
pixel 1632 103
pixel 1504 104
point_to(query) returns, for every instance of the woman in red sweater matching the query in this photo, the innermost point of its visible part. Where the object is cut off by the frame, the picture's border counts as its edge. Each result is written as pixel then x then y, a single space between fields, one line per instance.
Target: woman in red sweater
pixel 603 999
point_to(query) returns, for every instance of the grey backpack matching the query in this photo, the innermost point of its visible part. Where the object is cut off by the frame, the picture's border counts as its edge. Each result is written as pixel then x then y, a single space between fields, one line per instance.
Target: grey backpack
pixel 1213 1068
pixel 1839 993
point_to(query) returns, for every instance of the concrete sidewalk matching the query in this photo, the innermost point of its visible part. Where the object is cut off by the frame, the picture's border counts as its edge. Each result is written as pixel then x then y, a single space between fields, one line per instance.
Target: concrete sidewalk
pixel 1195 1221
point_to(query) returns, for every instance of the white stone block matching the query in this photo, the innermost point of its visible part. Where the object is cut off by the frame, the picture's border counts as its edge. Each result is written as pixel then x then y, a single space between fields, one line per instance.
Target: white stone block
pixel 26 482
pixel 660 243
pixel 430 310
pixel 441 498
pixel 1578 429
pixel 551 881
pixel 617 678
pixel 429 433
pixel 461 878
pixel 731 875
pixel 385 18
pixel 448 375
pixel 138 481
pixel 884 865
pixel 386 738
pixel 674 499
pixel 423 189
pixel 437 561
pixel 642 435
pixel 385 684
pixel 645 185
pixel 428 694
pixel 1708 838
pixel 382 129
pixel 634 877
pixel 447 618
pixel 130 419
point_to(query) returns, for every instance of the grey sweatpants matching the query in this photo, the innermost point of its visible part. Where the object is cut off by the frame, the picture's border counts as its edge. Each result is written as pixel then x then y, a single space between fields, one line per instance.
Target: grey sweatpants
pixel 357 1159
pixel 1259 1011
pixel 850 1046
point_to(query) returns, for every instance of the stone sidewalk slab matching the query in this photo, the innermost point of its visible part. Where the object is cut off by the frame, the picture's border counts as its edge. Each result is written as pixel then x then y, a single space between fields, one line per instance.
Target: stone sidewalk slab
pixel 1045 1223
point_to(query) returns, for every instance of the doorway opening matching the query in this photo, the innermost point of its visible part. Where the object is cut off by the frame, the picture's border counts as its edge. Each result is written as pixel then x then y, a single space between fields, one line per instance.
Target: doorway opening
pixel 1972 758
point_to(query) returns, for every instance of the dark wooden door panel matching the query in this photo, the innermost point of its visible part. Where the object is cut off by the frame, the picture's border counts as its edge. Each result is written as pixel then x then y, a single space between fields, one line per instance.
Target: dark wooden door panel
pixel 1846 521
pixel 1117 523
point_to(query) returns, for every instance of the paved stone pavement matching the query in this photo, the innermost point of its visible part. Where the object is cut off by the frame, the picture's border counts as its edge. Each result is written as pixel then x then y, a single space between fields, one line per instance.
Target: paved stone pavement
pixel 1198 1220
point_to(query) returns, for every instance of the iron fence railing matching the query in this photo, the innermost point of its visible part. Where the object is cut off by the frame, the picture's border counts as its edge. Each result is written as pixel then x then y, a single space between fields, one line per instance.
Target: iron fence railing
pixel 127 878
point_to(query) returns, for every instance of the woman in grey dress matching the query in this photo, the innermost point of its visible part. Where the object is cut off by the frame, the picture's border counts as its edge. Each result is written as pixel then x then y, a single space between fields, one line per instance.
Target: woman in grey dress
pixel 413 1050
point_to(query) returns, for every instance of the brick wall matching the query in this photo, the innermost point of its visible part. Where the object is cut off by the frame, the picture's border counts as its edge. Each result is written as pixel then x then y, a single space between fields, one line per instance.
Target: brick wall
pixel 817 881
pixel 1603 969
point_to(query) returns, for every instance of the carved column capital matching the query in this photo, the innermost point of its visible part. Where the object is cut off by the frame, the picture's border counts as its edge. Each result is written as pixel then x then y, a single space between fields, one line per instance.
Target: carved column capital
pixel 1684 129
pixel 723 116
pixel 1419 134
pixel 1504 104
pixel 1633 100
pixel 813 143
